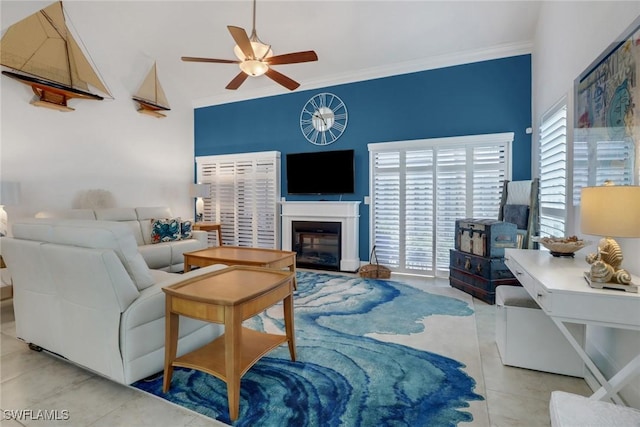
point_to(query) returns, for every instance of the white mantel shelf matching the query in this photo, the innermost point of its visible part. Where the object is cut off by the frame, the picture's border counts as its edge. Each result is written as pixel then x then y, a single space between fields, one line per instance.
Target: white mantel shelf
pixel 346 213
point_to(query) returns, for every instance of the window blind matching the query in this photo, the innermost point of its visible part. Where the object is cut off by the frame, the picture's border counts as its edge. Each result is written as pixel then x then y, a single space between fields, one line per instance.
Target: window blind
pixel 419 188
pixel 553 171
pixel 245 191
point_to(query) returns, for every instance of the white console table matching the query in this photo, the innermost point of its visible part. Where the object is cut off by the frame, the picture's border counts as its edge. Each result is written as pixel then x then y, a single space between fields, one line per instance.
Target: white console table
pixel 559 287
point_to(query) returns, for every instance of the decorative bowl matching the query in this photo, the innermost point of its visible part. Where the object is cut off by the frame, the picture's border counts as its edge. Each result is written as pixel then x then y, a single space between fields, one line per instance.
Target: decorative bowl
pixel 562 246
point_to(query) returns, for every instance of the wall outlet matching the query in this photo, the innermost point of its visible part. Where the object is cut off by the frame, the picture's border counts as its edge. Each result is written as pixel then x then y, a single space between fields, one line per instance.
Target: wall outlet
pixel 367 200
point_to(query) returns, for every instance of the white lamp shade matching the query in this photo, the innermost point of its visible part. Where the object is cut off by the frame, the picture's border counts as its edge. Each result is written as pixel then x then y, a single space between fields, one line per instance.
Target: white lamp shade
pixel 610 210
pixel 200 190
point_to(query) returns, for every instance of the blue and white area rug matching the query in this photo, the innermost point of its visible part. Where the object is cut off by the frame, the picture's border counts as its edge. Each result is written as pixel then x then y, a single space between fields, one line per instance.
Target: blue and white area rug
pixel 370 353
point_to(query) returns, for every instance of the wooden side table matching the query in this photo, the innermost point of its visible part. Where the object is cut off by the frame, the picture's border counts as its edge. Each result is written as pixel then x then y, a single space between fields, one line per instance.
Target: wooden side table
pixel 228 296
pixel 236 255
pixel 209 226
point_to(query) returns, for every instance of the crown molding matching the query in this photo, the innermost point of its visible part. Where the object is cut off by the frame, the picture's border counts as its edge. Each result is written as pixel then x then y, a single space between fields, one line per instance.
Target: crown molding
pixel 424 64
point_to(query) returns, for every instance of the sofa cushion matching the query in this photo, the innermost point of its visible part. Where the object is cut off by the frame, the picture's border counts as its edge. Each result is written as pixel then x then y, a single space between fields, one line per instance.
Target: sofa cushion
pixel 145 215
pixel 68 214
pixel 126 216
pixel 157 256
pixel 165 230
pixel 179 248
pixel 90 234
pixel 116 214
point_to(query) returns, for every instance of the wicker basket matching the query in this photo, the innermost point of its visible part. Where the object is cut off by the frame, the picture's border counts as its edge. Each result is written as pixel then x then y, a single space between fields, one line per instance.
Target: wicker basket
pixel 374 271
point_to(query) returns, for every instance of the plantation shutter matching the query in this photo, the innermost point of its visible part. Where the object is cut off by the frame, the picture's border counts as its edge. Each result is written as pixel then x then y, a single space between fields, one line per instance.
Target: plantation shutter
pixel 451 201
pixel 386 215
pixel 553 171
pixel 419 202
pixel 419 188
pixel 245 191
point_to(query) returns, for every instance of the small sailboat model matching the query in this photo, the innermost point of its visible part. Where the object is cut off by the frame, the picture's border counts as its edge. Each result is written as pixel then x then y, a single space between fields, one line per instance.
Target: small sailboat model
pixel 150 97
pixel 45 56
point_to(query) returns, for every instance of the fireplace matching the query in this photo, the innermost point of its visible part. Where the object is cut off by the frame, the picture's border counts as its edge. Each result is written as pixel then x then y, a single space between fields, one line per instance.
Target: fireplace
pixel 317 244
pixel 344 213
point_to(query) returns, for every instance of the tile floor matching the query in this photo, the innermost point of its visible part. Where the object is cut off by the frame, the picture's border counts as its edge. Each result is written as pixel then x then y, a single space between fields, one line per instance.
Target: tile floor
pixel 28 379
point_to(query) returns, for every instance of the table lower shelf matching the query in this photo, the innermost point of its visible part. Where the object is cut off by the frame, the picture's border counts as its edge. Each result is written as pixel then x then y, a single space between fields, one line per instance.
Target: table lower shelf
pixel 211 357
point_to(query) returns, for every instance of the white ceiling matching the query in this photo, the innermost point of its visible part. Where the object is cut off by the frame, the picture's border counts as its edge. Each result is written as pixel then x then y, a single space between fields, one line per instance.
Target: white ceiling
pixel 354 40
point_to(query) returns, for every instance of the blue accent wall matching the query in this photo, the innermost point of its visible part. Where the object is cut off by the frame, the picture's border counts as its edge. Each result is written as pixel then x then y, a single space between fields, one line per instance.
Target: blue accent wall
pixel 483 97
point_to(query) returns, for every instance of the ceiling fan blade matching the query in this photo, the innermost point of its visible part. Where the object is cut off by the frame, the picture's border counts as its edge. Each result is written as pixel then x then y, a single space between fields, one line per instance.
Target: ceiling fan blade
pixel 292 58
pixel 218 61
pixel 282 79
pixel 242 40
pixel 237 81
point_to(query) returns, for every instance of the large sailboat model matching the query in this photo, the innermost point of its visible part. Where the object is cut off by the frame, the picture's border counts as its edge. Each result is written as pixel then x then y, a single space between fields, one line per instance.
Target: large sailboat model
pixel 150 97
pixel 45 56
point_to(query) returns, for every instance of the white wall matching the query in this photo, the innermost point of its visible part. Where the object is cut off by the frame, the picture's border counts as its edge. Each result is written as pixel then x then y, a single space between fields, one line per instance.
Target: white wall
pixel 55 156
pixel 570 35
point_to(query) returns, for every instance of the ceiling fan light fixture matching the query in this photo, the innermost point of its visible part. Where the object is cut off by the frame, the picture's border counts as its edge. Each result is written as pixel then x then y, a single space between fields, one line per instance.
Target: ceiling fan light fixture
pixel 253 67
pixel 260 51
pixel 255 58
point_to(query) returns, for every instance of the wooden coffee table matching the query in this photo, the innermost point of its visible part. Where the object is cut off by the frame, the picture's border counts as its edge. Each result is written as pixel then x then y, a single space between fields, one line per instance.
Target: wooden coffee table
pixel 228 296
pixel 235 255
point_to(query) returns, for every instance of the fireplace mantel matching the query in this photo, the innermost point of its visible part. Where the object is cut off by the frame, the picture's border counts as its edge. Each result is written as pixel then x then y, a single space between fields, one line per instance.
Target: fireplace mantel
pixel 346 213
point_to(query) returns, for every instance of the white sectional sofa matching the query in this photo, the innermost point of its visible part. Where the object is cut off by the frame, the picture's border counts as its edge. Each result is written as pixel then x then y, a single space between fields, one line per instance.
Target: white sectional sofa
pixel 83 290
pixel 166 255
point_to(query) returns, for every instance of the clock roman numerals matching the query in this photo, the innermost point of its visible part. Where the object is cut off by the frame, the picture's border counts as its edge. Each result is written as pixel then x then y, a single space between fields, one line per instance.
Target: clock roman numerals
pixel 323 119
pixel 338 126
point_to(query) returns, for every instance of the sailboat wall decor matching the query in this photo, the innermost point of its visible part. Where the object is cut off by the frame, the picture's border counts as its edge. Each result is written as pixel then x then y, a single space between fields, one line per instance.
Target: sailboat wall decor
pixel 45 56
pixel 150 97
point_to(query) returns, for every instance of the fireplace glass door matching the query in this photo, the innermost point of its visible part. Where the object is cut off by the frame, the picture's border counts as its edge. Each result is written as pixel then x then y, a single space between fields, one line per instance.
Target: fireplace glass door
pixel 317 244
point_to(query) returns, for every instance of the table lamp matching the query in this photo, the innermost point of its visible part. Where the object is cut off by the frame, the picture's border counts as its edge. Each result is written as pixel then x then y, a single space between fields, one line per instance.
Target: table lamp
pixel 610 211
pixel 199 191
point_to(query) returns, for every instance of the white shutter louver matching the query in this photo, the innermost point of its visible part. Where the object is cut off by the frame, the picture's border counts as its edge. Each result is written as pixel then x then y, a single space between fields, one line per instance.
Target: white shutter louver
pixel 553 171
pixel 451 199
pixel 419 188
pixel 386 201
pixel 245 191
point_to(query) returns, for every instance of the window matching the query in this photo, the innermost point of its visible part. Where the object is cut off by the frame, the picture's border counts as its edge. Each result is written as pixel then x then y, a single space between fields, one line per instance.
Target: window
pixel 419 188
pixel 245 190
pixel 553 171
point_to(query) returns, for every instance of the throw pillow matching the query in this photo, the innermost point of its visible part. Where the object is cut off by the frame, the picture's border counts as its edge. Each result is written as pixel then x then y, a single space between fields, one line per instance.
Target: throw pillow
pixel 165 230
pixel 186 230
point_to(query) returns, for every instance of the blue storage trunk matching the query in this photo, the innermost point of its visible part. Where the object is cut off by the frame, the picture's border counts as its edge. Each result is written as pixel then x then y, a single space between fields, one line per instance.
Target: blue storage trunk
pixel 479 276
pixel 485 237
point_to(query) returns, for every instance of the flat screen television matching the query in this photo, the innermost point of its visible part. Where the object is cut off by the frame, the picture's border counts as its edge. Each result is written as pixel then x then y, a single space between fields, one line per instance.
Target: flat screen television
pixel 322 172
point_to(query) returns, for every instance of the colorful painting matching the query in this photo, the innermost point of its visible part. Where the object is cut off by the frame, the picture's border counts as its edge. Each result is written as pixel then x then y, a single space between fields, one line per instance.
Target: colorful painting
pixel 607 120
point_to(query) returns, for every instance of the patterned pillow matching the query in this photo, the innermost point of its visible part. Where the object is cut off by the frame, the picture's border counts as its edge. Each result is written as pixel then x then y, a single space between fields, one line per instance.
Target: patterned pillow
pixel 165 230
pixel 186 230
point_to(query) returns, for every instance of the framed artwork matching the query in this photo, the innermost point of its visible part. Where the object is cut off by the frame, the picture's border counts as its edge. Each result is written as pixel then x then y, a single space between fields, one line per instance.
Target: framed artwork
pixel 607 116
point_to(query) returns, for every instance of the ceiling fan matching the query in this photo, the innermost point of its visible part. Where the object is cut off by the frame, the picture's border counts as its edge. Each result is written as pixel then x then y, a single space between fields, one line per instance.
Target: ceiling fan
pixel 255 58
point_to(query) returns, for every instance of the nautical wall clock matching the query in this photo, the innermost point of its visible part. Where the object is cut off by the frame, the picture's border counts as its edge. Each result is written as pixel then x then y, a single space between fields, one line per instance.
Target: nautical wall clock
pixel 323 119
